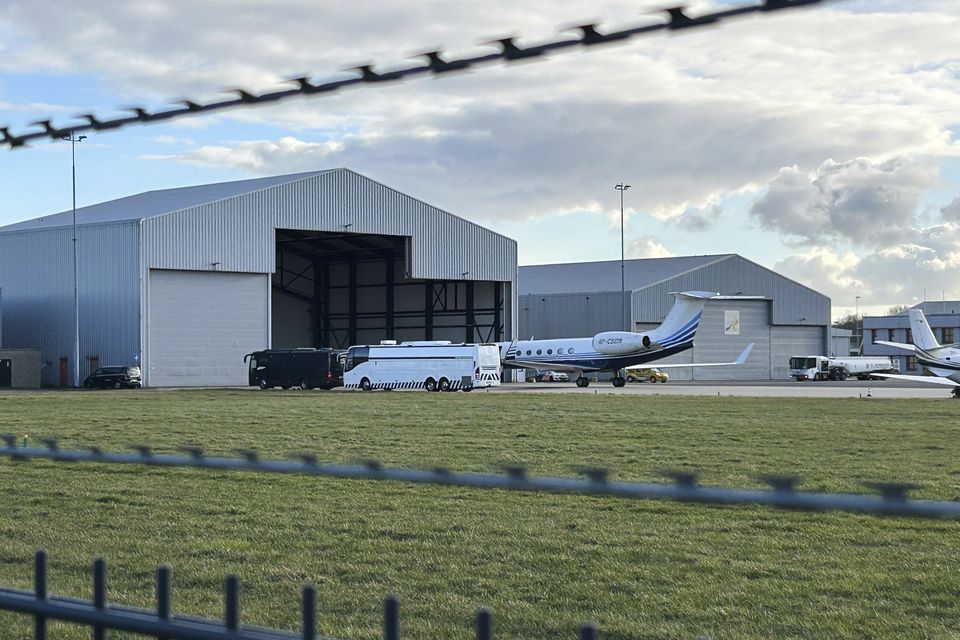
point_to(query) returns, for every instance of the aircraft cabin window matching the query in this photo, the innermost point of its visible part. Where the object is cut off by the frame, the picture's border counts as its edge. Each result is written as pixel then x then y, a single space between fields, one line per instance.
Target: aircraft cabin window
pixel 549 352
pixel 539 352
pixel 528 351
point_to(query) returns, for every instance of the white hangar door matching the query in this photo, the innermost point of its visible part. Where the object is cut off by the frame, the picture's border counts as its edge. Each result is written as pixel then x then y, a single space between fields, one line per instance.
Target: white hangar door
pixel 201 324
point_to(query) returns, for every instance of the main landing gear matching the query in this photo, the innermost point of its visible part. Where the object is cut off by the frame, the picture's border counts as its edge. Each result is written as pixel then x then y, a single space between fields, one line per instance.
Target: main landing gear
pixel 619 381
pixel 583 382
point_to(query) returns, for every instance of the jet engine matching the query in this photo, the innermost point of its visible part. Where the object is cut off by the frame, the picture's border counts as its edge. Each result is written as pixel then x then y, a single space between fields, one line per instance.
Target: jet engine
pixel 619 343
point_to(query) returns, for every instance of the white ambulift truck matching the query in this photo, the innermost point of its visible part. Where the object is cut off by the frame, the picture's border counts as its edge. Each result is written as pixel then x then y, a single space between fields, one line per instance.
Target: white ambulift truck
pixel 840 368
pixel 431 365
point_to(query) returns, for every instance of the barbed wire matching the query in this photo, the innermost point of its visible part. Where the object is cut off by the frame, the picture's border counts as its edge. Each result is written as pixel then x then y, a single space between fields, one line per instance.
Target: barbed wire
pixel 891 498
pixel 436 64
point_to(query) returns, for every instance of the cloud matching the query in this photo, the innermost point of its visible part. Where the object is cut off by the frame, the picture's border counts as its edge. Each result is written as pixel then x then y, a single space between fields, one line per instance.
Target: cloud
pixel 824 269
pixel 647 247
pixel 929 261
pixel 951 212
pixel 685 120
pixel 257 156
pixel 862 202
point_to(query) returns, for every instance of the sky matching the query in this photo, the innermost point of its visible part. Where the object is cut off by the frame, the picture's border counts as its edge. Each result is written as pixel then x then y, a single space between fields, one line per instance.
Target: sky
pixel 821 143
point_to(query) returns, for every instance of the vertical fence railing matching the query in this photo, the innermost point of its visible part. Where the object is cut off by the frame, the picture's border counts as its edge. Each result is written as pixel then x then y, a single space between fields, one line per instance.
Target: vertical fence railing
pixel 102 617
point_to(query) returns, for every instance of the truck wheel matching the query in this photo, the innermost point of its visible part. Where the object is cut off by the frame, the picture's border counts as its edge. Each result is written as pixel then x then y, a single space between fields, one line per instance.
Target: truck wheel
pixel 263 384
pixel 653 379
pixel 444 384
pixel 303 384
pixel 365 384
pixel 430 384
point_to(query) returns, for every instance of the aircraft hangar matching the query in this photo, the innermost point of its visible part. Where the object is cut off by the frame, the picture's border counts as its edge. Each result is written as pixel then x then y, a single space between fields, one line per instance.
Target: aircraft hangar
pixel 186 281
pixel 780 316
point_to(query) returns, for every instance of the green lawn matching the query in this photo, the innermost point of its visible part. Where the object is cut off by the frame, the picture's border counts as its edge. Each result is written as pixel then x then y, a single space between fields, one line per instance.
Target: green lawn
pixel 543 563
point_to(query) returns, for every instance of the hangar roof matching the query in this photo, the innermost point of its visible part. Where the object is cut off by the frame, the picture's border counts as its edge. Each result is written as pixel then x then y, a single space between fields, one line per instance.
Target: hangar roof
pixel 155 203
pixel 605 276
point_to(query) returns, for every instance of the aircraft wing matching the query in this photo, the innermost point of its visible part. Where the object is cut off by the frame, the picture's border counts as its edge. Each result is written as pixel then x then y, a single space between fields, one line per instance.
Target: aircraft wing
pixel 740 360
pixel 946 382
pixel 545 366
pixel 898 345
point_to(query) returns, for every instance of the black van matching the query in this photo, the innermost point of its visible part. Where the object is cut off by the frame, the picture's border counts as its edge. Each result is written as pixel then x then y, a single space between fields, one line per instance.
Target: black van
pixel 304 368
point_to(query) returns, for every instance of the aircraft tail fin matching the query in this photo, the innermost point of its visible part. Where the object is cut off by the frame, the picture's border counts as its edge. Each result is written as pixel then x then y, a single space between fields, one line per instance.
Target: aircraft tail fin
pixel 922 334
pixel 681 323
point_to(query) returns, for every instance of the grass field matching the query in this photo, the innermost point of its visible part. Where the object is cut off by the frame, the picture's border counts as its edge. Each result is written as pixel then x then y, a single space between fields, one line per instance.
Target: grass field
pixel 543 563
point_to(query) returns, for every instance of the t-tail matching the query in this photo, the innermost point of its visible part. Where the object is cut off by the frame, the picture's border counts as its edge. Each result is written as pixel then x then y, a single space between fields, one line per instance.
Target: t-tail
pixel 681 323
pixel 922 335
pixel 677 329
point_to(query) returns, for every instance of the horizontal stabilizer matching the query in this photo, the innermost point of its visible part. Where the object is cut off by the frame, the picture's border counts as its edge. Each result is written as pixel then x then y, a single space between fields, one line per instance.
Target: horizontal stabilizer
pixel 742 358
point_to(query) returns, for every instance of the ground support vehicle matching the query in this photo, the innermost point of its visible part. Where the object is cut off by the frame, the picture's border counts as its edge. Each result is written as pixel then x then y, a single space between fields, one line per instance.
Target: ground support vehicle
pixel 430 365
pixel 303 368
pixel 647 375
pixel 547 376
pixel 840 368
pixel 114 377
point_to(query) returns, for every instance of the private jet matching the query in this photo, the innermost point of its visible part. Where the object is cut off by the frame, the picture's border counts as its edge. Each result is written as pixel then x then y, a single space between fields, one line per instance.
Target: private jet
pixel 942 362
pixel 618 350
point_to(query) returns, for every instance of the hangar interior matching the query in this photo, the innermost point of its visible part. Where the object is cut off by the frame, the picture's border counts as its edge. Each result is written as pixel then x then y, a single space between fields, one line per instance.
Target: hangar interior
pixel 340 289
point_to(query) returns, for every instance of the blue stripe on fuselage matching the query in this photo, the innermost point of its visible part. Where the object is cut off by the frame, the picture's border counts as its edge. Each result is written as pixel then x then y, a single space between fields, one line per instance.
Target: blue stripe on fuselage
pixel 605 363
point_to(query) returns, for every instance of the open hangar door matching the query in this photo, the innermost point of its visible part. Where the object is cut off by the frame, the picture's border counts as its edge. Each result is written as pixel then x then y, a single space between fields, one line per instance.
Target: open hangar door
pixel 201 323
pixel 340 289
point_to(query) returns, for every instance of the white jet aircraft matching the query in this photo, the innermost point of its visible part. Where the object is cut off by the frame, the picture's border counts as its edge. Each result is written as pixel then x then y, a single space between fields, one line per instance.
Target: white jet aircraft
pixel 942 362
pixel 618 350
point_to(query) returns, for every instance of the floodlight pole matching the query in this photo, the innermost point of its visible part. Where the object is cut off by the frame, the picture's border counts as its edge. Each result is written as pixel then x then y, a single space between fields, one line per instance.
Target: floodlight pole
pixel 859 330
pixel 76 289
pixel 623 289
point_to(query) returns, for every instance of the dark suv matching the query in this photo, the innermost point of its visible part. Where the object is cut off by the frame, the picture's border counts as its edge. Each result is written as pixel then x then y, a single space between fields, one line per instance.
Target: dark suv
pixel 116 377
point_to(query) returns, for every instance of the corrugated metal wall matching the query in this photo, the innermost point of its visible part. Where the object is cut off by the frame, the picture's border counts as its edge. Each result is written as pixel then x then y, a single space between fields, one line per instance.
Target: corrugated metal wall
pixel 36 275
pixel 793 303
pixel 568 315
pixel 792 341
pixel 238 233
pixel 712 344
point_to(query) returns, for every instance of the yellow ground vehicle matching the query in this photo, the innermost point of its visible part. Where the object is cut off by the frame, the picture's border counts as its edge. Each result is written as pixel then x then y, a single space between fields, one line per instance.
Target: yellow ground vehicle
pixel 646 375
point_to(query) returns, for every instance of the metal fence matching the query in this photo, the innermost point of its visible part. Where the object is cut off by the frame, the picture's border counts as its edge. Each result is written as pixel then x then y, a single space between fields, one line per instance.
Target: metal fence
pixel 890 499
pixel 434 64
pixel 100 616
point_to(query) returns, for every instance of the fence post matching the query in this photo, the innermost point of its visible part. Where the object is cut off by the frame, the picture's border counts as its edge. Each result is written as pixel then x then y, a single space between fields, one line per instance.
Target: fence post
pixel 484 624
pixel 391 618
pixel 40 590
pixel 231 616
pixel 163 595
pixel 309 612
pixel 588 631
pixel 99 595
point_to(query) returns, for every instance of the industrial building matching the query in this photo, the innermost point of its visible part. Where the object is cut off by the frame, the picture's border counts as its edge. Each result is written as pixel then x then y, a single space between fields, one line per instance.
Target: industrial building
pixel 943 316
pixel 186 281
pixel 780 316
